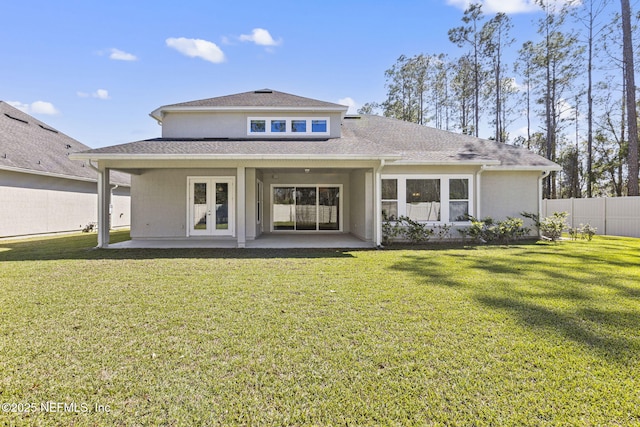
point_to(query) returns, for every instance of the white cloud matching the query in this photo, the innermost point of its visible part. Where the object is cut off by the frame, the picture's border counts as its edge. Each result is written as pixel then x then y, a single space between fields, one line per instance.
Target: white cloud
pixel 507 6
pixel 119 55
pixel 261 37
pixel 99 94
pixel 349 102
pixel 37 107
pixel 197 48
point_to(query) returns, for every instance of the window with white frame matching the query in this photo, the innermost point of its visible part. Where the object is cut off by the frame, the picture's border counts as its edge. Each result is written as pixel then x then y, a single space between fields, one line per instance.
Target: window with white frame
pixel 428 198
pixel 318 126
pixel 390 198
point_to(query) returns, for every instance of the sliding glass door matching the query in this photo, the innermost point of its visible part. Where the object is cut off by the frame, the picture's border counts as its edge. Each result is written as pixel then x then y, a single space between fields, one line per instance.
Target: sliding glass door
pixel 306 208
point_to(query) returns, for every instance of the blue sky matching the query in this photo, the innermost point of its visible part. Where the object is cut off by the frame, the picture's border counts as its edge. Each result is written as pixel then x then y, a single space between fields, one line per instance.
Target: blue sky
pixel 95 69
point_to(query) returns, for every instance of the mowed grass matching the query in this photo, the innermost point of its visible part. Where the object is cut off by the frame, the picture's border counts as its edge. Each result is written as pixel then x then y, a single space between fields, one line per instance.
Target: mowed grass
pixel 524 335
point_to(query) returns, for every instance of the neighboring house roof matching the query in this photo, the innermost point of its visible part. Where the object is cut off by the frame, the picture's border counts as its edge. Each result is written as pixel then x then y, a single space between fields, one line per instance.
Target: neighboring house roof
pixel 31 146
pixel 363 137
pixel 263 99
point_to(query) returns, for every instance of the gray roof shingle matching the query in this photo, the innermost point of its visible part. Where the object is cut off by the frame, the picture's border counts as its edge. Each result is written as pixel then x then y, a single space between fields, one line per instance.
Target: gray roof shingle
pixel 259 98
pixel 29 145
pixel 365 136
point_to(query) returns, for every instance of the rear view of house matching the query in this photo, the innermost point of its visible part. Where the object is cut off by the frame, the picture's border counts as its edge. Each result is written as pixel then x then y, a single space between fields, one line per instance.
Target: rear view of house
pixel 239 167
pixel 41 190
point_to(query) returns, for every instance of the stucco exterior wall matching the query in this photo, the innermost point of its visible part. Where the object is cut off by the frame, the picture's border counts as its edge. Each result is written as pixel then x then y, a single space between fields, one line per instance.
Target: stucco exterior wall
pixel 231 125
pixel 361 204
pixel 159 201
pixel 508 194
pixel 36 204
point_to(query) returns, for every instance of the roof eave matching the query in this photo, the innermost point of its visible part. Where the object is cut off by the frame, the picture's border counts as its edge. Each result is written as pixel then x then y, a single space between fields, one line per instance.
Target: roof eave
pixel 127 156
pixel 447 163
pixel 158 113
pixel 525 168
pixel 49 174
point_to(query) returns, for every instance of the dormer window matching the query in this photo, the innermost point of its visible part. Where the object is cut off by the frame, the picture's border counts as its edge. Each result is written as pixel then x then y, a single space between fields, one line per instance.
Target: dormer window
pixel 288 126
pixel 257 126
pixel 278 126
pixel 299 126
pixel 318 126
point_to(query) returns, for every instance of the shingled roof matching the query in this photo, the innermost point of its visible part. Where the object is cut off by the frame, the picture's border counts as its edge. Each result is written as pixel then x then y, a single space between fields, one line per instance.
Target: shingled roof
pixel 258 99
pixel 29 145
pixel 365 136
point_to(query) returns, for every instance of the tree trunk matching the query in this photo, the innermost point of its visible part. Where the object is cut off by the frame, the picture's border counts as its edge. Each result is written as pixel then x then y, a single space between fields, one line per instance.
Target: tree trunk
pixel 627 54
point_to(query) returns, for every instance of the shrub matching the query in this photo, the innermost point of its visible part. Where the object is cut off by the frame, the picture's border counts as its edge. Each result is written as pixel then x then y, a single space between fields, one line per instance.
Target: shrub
pixel 391 229
pixel 483 230
pixel 442 231
pixel 405 228
pixel 533 217
pixel 511 229
pixel 574 232
pixel 552 226
pixel 587 232
pixel 414 231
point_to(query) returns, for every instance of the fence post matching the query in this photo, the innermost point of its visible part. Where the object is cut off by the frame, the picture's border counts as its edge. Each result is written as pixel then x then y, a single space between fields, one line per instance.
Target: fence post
pixel 604 216
pixel 573 209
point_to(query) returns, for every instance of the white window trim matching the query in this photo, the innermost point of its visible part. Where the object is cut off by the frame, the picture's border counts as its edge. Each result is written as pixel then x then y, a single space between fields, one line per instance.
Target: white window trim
pixel 316 186
pixel 288 121
pixel 444 194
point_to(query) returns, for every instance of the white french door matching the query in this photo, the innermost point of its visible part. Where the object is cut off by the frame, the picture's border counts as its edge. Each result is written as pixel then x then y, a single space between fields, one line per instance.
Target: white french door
pixel 211 208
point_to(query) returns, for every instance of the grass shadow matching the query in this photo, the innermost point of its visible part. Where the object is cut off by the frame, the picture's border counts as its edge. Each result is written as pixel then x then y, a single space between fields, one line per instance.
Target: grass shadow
pixel 564 288
pixel 82 246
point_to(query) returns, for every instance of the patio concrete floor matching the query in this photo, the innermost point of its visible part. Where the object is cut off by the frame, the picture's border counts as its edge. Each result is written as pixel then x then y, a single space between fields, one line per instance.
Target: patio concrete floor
pixel 270 241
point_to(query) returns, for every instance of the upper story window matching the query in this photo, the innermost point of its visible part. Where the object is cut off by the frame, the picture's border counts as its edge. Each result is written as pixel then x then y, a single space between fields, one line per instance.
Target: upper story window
pixel 288 126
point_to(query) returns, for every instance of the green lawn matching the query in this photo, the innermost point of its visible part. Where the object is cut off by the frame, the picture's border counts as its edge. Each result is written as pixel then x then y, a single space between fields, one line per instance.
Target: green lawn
pixel 530 334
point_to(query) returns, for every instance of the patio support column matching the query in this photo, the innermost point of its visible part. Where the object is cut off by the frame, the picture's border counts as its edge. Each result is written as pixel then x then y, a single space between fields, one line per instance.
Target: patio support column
pixel 104 203
pixel 377 204
pixel 241 205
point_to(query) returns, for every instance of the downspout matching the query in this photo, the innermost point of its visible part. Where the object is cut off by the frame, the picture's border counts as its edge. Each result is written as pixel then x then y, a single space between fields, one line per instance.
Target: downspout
pixel 93 167
pixel 377 215
pixel 478 213
pixel 540 179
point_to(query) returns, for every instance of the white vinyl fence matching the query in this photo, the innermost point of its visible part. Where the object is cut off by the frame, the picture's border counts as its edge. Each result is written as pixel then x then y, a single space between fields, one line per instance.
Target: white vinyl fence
pixel 616 216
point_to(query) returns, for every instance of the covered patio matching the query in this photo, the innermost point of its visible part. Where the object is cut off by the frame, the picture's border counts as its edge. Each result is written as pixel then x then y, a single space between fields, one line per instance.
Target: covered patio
pixel 265 241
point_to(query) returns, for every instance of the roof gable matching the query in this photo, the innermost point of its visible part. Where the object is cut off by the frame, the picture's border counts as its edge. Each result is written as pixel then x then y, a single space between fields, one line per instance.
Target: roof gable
pixel 258 100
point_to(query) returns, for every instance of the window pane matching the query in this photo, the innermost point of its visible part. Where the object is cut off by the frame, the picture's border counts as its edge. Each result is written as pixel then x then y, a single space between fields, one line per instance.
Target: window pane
pixel 390 189
pixel 329 208
pixel 318 125
pixel 278 125
pixel 423 199
pixel 258 126
pixel 423 190
pixel 200 206
pixel 283 208
pixel 390 210
pixel 459 189
pixel 298 125
pixel 458 211
pixel 222 206
pixel 306 208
